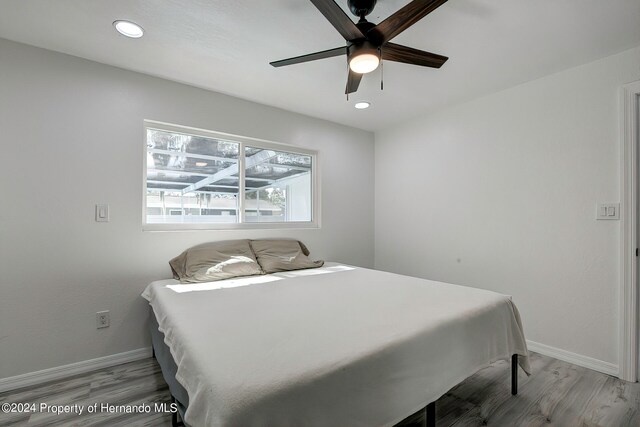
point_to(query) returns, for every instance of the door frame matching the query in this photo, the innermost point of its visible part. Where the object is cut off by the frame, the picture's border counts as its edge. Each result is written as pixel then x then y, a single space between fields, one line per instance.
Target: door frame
pixel 628 295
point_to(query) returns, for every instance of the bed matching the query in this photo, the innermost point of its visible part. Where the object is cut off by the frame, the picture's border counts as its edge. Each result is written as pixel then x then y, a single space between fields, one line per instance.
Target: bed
pixel 331 346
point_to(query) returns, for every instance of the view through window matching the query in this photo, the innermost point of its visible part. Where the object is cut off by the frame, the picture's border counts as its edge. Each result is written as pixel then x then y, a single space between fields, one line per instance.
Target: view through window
pixel 194 178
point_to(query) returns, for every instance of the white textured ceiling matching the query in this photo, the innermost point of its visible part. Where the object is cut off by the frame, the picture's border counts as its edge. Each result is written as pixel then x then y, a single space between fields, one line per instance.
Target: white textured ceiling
pixel 226 46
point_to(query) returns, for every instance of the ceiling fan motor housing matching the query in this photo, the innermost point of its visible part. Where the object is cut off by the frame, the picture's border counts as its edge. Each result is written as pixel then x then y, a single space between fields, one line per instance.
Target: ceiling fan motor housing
pixel 361 48
pixel 364 27
pixel 361 8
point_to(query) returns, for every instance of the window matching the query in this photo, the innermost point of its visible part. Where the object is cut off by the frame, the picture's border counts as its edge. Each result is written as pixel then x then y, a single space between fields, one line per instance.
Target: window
pixel 203 179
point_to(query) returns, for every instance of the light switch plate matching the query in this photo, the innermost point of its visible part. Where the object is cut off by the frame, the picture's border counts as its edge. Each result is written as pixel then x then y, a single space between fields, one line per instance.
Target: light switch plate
pixel 102 213
pixel 608 211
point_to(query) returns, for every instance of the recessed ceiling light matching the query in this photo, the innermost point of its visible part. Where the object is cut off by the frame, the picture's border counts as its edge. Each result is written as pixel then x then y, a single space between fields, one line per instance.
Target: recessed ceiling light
pixel 201 164
pixel 129 29
pixel 362 105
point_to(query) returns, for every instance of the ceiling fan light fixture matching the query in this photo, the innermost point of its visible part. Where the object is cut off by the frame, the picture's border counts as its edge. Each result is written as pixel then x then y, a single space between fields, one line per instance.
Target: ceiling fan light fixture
pixel 128 28
pixel 362 105
pixel 363 57
pixel 364 63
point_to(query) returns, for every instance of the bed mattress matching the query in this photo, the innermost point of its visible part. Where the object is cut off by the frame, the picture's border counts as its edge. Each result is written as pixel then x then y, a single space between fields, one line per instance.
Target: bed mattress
pixel 332 346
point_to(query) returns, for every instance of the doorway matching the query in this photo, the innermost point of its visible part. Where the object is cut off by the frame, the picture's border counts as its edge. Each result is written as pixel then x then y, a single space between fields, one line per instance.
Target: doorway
pixel 629 341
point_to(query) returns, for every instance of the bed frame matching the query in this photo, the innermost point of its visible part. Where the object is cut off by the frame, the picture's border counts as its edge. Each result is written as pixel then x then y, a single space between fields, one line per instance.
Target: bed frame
pixel 179 395
pixel 169 368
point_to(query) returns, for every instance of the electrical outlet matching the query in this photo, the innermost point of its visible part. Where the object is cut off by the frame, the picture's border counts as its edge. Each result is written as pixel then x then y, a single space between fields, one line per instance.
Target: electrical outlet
pixel 103 319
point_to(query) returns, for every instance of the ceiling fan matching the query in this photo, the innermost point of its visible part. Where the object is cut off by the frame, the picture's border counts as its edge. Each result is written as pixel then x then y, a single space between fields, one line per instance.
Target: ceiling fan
pixel 368 43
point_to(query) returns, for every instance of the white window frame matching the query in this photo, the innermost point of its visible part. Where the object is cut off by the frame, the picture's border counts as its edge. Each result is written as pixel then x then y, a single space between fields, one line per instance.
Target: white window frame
pixel 243 141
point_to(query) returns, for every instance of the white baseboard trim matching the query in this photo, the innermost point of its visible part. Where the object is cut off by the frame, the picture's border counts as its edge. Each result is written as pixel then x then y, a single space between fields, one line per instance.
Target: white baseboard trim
pixel 59 372
pixel 574 358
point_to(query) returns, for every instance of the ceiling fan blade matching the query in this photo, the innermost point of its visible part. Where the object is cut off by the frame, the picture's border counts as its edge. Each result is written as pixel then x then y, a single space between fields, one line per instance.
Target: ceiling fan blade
pixel 403 19
pixel 353 81
pixel 336 16
pixel 409 55
pixel 311 57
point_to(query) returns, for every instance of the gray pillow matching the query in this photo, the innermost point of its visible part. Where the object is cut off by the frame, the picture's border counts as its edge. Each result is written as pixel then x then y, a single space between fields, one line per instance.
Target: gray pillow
pixel 275 255
pixel 213 261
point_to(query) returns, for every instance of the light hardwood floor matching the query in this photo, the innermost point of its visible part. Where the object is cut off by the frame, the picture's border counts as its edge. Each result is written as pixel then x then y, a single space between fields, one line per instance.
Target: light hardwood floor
pixel 557 394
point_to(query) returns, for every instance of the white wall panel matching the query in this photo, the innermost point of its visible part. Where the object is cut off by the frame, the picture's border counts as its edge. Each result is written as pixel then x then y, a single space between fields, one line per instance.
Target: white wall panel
pixel 72 136
pixel 500 193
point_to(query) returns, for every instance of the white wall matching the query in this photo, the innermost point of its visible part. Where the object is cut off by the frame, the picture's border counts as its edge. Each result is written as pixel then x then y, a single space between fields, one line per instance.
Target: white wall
pixel 72 136
pixel 500 193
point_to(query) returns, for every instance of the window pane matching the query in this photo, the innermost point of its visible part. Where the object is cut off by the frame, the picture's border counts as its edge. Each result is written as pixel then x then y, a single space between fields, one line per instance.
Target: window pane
pixel 191 179
pixel 277 186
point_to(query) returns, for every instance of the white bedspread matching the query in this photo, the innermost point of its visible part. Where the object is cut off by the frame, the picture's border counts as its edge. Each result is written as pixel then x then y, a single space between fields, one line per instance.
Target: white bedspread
pixel 334 346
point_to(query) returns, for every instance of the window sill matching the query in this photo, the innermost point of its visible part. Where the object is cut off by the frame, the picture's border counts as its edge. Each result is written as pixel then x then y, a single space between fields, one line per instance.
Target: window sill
pixel 235 226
